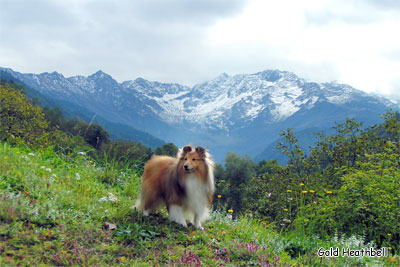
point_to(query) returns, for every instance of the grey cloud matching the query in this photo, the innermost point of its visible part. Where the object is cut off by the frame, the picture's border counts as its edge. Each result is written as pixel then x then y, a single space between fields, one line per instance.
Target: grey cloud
pixel 385 4
pixel 14 13
pixel 125 38
pixel 195 11
pixel 352 12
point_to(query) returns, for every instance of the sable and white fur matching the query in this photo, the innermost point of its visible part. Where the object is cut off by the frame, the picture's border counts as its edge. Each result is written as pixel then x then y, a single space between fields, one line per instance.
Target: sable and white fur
pixel 185 185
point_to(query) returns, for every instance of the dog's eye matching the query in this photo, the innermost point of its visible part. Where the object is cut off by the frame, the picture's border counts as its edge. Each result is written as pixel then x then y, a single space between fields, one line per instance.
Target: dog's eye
pixel 193 159
pixel 185 158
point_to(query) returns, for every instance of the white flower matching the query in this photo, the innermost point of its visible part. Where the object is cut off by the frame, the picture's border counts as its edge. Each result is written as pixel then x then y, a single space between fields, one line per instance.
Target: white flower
pixel 48 170
pixel 111 197
pixel 103 199
pixel 31 154
pixel 82 153
pixel 42 167
pixel 77 176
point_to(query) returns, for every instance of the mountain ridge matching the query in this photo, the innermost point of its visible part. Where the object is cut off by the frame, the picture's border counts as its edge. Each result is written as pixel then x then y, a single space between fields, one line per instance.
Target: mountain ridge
pixel 243 113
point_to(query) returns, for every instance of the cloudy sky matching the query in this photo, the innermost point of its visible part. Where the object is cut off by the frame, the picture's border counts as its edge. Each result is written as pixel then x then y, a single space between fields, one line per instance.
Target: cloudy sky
pixel 351 41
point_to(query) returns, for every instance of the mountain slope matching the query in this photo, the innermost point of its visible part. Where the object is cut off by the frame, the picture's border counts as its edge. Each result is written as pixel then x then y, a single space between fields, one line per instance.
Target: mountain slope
pixel 242 113
pixel 75 109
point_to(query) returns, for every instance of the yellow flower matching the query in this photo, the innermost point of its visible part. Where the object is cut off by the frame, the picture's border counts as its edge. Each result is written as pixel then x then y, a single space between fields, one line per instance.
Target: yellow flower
pixel 301 184
pixel 304 192
pixel 230 210
pixel 285 210
pixel 312 191
pixel 122 258
pixel 219 196
pixel 329 192
pixel 289 191
pixel 389 234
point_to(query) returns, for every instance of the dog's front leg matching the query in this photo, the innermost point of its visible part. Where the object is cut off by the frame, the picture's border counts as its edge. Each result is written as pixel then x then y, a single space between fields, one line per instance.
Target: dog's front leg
pixel 176 215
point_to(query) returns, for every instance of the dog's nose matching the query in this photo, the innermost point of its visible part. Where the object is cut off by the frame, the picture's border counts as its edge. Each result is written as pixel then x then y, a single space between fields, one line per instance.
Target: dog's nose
pixel 186 167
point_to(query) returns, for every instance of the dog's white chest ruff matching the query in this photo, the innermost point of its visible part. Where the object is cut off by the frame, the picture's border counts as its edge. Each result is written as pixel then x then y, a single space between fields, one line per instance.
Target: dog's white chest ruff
pixel 195 204
pixel 196 194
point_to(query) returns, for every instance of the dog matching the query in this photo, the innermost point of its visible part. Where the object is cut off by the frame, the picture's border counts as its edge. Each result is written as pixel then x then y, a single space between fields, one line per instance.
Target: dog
pixel 185 185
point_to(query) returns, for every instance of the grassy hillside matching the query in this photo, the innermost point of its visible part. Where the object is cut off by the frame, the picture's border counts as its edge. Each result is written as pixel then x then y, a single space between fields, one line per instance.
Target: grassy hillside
pixel 58 209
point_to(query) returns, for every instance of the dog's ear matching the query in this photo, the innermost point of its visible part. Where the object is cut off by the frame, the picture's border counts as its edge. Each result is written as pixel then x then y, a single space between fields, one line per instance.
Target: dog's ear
pixel 201 151
pixel 187 149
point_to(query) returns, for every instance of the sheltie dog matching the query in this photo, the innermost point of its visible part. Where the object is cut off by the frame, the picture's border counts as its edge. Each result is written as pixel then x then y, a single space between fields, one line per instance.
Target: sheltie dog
pixel 185 185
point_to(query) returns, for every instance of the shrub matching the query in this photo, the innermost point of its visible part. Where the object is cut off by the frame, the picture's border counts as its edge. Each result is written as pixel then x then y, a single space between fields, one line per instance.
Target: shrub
pixel 20 120
pixel 367 204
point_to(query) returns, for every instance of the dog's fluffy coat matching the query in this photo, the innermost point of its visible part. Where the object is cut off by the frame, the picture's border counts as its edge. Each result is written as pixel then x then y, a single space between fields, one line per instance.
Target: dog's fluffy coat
pixel 184 184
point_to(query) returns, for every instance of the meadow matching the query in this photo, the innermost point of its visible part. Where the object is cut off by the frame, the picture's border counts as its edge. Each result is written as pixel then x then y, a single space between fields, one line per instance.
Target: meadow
pixel 56 209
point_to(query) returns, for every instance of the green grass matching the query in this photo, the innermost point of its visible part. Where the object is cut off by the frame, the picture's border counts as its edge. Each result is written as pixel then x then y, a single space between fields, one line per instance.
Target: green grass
pixel 60 209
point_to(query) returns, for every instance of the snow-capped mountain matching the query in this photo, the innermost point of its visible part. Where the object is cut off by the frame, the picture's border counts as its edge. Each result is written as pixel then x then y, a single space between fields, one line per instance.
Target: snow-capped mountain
pixel 242 113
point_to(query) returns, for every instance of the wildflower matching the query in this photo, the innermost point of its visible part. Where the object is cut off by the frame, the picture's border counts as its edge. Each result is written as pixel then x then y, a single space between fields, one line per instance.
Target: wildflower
pixel 81 153
pixel 31 154
pixel 289 191
pixel 122 258
pixel 192 234
pixel 312 191
pixel 77 177
pixel 230 210
pixel 48 170
pixel 285 210
pixel 111 197
pixel 269 194
pixel 304 192
pixel 389 234
pixel 329 192
pixel 301 184
pixel 230 216
pixel 219 196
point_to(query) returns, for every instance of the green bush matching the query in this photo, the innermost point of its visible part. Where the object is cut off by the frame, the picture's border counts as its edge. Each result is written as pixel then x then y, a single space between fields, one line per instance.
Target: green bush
pixel 20 120
pixel 367 204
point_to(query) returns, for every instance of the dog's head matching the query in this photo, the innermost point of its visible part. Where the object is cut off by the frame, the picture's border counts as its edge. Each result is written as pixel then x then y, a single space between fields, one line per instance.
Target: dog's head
pixel 192 159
